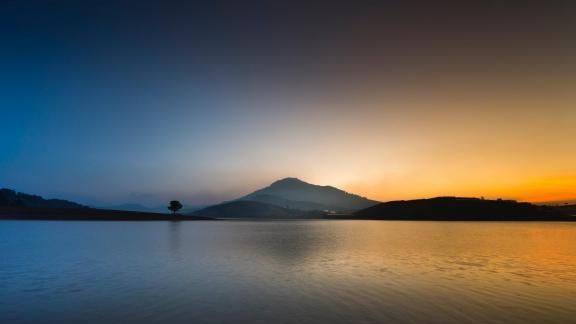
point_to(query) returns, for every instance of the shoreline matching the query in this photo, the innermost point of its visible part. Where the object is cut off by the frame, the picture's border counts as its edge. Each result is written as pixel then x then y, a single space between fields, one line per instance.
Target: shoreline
pixel 94 214
pixel 89 214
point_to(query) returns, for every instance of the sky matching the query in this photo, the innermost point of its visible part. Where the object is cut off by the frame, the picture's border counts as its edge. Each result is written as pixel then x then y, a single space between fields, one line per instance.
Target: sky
pixel 107 102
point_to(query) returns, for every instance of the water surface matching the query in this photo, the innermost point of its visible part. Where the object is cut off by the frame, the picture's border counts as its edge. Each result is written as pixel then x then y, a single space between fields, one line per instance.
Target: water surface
pixel 287 272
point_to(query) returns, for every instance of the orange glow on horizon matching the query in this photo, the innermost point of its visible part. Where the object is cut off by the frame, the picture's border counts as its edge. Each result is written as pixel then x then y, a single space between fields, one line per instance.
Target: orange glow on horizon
pixel 544 190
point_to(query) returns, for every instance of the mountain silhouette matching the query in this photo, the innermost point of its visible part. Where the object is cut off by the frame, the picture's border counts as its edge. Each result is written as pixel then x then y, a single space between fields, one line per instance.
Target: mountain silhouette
pixel 293 193
pixel 11 198
pixel 289 198
pixel 459 208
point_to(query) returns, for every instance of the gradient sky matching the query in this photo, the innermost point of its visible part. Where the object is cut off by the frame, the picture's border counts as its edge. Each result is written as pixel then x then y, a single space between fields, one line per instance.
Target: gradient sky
pixel 105 102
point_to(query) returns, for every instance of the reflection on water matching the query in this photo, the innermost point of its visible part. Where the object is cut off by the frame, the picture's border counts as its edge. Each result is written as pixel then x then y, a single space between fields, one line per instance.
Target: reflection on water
pixel 287 246
pixel 287 272
pixel 174 237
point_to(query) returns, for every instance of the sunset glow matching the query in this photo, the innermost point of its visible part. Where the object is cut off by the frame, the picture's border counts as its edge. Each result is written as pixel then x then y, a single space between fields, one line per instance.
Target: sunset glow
pixel 295 162
pixel 475 104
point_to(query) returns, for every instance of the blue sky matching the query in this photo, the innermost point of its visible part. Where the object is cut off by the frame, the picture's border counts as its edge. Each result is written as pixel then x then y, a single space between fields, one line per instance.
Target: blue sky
pixel 107 102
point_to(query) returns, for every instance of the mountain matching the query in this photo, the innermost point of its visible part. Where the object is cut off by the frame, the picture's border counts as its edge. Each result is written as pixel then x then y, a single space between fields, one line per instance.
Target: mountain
pixel 457 208
pixel 289 198
pixel 293 193
pixel 11 198
pixel 253 209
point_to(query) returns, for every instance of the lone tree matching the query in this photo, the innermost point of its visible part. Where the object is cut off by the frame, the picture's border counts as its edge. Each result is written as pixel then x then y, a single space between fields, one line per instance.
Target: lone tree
pixel 174 206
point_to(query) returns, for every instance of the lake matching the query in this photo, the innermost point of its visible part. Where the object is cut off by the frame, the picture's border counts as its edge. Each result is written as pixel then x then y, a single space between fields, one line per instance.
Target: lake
pixel 287 272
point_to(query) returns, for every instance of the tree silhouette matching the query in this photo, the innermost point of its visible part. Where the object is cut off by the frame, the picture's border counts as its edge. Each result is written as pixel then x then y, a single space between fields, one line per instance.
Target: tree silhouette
pixel 174 206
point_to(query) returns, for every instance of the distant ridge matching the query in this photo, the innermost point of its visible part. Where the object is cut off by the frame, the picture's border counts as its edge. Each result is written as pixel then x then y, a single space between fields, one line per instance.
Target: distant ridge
pixel 294 193
pixel 21 206
pixel 458 208
pixel 11 198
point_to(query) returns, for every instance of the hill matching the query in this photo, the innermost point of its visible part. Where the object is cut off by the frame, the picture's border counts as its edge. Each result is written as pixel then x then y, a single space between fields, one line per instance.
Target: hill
pixel 244 209
pixel 17 205
pixel 456 208
pixel 293 193
pixel 11 198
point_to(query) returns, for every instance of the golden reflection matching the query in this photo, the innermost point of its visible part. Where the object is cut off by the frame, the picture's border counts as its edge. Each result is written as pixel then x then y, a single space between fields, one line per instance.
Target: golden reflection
pixel 477 252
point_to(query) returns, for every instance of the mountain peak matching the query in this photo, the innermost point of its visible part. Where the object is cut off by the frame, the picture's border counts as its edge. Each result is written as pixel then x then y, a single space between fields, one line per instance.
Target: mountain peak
pixel 288 181
pixel 296 194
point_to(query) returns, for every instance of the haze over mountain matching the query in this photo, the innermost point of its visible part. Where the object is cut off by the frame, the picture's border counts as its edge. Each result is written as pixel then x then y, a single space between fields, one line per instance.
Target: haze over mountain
pixel 254 209
pixel 294 193
pixel 289 198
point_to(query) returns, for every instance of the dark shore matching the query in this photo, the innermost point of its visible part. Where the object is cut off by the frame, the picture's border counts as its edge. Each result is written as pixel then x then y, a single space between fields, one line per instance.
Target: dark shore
pixel 459 219
pixel 436 209
pixel 433 209
pixel 89 214
pixel 463 209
